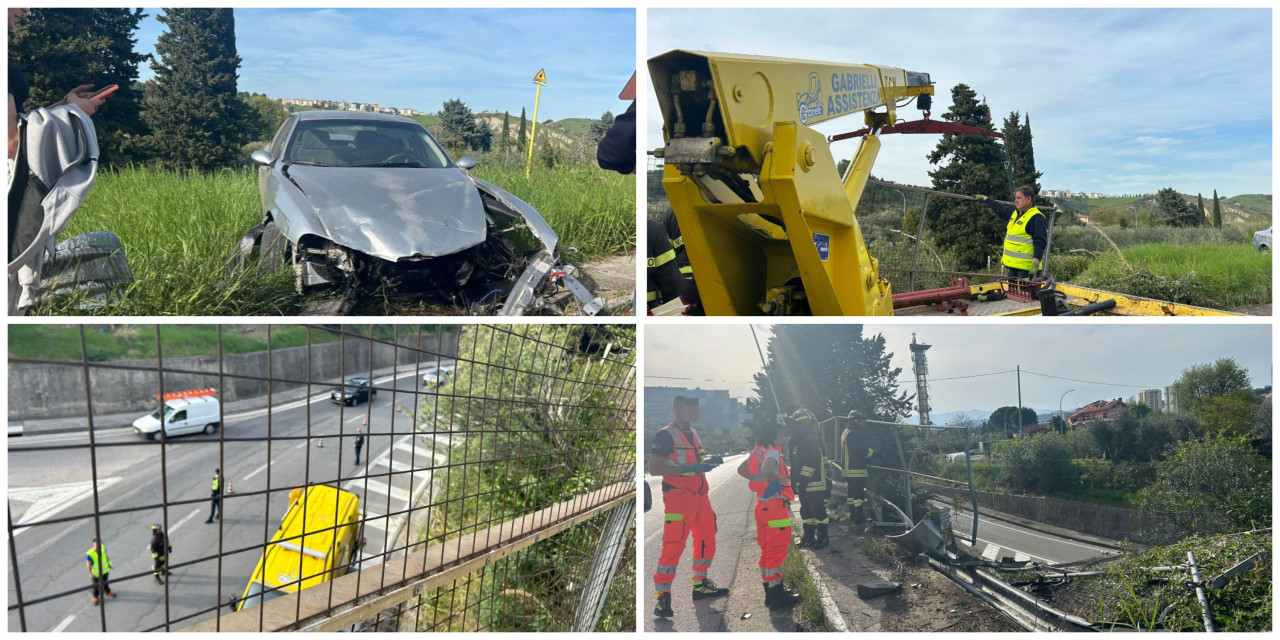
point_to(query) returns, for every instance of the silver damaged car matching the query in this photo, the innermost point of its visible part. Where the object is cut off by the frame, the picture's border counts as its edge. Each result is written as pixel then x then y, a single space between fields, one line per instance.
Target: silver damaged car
pixel 354 201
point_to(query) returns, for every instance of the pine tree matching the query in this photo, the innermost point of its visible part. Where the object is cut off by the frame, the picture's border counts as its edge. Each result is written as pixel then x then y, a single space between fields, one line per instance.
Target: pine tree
pixel 60 49
pixel 974 165
pixel 1217 211
pixel 196 117
pixel 1175 211
pixel 461 129
pixel 524 135
pixel 832 370
pixel 600 127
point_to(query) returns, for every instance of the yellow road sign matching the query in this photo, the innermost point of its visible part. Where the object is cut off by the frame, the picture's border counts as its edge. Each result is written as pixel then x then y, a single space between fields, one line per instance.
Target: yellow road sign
pixel 541 78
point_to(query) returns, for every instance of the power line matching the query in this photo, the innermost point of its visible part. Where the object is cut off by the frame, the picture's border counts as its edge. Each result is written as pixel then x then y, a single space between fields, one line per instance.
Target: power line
pixel 1106 384
pixel 976 375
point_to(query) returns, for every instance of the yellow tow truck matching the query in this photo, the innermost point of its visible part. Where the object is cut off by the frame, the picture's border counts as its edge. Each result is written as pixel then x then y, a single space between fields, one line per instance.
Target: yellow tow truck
pixel 768 222
pixel 319 539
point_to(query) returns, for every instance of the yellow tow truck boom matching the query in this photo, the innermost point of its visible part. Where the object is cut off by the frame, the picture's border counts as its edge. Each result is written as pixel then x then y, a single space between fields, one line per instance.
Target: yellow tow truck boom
pixel 767 220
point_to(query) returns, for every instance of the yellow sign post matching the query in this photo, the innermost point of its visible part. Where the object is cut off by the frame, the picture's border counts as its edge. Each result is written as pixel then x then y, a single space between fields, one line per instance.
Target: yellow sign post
pixel 539 80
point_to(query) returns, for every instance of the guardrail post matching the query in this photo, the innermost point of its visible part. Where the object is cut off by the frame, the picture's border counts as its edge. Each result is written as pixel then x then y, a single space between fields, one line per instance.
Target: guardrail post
pixel 604 566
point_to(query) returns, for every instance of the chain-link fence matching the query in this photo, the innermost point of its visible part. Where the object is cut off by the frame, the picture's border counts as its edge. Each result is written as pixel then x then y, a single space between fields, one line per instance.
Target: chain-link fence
pixel 327 477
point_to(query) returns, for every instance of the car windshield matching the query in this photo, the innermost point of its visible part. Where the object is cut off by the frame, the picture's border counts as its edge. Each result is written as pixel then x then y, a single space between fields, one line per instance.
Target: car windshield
pixel 166 409
pixel 346 143
pixel 256 597
pixel 358 382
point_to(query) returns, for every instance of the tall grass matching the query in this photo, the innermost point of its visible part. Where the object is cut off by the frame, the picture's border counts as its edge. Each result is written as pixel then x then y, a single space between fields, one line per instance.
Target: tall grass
pixel 179 229
pixel 1088 238
pixel 591 209
pixel 1211 275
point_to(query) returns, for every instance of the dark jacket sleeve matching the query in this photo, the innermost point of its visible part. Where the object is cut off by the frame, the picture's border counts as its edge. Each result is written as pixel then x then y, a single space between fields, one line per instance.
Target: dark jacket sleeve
pixel 1003 210
pixel 617 150
pixel 661 268
pixel 1038 227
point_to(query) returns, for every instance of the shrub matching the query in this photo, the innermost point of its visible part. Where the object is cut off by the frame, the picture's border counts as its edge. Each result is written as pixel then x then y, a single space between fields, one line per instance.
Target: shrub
pixel 1206 486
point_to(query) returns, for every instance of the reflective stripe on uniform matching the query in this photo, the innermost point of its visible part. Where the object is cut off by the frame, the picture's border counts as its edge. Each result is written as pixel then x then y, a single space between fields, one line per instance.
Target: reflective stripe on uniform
pixel 785 522
pixel 662 259
pixel 662 568
pixel 854 473
pixel 673 517
pixel 815 486
pixel 806 471
pixel 688 271
pixel 651 296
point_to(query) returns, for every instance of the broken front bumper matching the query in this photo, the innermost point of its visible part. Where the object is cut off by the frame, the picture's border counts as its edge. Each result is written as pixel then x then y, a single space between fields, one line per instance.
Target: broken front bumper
pixel 524 298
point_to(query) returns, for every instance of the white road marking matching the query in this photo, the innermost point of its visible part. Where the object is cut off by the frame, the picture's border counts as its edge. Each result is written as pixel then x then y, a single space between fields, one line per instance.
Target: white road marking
pixel 47 502
pixel 62 625
pixel 1021 557
pixel 992 552
pixel 383 488
pixel 184 521
pixel 257 471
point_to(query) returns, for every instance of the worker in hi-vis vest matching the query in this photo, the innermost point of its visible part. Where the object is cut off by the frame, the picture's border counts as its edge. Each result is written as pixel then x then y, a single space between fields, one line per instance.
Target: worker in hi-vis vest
pixel 770 480
pixel 1026 233
pixel 99 566
pixel 676 456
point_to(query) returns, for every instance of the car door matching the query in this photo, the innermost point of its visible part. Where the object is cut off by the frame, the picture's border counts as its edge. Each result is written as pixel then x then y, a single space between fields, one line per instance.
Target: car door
pixel 178 424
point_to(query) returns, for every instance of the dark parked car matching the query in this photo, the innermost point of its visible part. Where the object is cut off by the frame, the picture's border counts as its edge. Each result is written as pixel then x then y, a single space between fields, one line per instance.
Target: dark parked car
pixel 355 200
pixel 353 392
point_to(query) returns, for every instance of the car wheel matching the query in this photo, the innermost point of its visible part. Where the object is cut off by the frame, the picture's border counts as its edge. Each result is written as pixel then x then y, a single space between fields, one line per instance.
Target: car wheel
pixel 271 248
pixel 210 429
pixel 1264 249
pixel 151 437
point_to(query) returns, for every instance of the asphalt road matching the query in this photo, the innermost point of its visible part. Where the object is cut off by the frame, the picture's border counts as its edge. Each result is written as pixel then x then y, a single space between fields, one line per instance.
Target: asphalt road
pixel 733 504
pixel 998 539
pixel 57 484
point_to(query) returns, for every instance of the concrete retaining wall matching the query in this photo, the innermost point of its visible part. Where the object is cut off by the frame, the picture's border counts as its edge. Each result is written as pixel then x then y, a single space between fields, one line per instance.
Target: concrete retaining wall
pixel 1116 523
pixel 39 391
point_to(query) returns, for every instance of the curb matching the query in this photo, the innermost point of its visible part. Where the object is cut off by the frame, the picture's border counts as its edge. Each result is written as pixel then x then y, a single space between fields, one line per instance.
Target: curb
pixel 830 612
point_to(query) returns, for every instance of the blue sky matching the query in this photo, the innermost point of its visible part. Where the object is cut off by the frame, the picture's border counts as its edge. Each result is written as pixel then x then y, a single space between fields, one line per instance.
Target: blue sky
pixel 1129 357
pixel 418 58
pixel 1121 101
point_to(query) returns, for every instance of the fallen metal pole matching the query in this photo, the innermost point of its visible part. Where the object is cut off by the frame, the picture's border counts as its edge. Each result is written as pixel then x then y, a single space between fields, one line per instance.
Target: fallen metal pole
pixel 1200 594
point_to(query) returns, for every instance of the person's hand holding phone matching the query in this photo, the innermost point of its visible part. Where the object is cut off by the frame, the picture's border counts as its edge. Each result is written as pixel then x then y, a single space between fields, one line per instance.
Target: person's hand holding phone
pixel 86 98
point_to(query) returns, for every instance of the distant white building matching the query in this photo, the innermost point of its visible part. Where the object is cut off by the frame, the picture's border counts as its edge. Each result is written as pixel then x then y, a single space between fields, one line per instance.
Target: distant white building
pixel 1151 398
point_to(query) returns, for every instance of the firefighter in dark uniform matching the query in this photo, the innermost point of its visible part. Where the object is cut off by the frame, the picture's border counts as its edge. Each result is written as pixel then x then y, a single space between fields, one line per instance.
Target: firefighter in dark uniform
pixel 855 455
pixel 160 550
pixel 663 274
pixel 810 478
pixel 672 227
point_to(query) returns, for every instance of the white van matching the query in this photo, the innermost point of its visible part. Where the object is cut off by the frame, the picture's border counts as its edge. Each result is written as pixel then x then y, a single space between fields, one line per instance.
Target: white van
pixel 437 377
pixel 182 415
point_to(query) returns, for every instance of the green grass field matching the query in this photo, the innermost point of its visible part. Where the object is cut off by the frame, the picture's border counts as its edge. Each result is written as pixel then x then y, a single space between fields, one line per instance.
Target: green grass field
pixel 179 231
pixel 1220 276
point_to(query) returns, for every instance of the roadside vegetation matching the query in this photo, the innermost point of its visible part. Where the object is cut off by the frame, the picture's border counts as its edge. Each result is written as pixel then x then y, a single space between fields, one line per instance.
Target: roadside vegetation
pixel 106 343
pixel 510 458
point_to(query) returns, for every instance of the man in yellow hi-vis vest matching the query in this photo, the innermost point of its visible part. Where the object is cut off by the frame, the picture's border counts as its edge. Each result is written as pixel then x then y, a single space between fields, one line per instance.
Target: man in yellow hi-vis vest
pixel 99 566
pixel 1026 233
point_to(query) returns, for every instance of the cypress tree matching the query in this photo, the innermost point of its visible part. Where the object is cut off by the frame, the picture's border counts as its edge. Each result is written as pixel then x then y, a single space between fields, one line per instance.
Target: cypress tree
pixel 1217 211
pixel 195 114
pixel 1200 204
pixel 506 129
pixel 60 49
pixel 969 165
pixel 524 136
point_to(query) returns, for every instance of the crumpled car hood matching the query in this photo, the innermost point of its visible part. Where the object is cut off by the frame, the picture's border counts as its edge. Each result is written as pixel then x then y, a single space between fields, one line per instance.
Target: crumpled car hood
pixel 397 212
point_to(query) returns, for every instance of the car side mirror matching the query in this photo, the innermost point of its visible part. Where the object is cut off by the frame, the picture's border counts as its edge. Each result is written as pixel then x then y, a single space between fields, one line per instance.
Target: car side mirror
pixel 262 157
pixel 467 162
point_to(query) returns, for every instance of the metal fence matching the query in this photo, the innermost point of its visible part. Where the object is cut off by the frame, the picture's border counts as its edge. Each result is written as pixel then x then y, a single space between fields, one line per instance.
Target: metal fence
pixel 492 469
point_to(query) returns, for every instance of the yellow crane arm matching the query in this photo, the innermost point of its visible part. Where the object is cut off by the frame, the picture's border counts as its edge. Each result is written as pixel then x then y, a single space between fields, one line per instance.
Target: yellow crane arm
pixel 768 222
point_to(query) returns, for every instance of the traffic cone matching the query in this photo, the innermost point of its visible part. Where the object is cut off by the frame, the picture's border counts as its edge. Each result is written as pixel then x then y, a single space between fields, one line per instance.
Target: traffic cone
pixel 230 487
pixel 320 442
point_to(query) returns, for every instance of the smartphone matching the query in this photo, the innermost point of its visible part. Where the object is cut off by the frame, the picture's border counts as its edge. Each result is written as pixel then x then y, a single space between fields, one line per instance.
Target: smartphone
pixel 106 91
